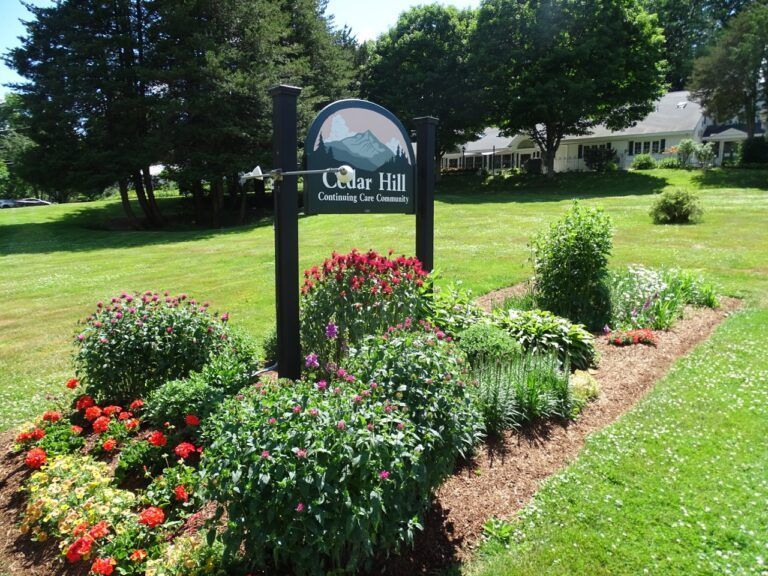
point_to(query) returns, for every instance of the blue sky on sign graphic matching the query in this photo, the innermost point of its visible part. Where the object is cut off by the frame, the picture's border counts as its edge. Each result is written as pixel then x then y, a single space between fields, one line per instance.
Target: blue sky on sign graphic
pixel 366 18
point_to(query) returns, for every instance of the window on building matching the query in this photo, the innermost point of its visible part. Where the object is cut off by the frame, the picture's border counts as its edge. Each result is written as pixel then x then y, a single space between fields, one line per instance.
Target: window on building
pixel 638 147
pixel 663 144
pixel 581 151
pixel 630 149
pixel 646 147
pixel 655 146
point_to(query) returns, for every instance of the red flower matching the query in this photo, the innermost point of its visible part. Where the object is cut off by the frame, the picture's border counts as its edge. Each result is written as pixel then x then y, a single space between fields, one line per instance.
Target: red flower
pixel 79 548
pixel 101 424
pixel 192 420
pixel 84 402
pixel 138 555
pixel 80 529
pixel 184 449
pixel 92 412
pixel 152 516
pixel 125 415
pixel 99 530
pixel 35 458
pixel 136 404
pixel 38 434
pixel 104 566
pixel 110 410
pixel 132 424
pixel 181 493
pixel 109 445
pixel 72 383
pixel 76 430
pixel 52 416
pixel 157 438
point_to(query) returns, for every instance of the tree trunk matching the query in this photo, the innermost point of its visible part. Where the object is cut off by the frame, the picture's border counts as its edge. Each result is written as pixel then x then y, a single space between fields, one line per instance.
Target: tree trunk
pixel 217 197
pixel 126 202
pixel 151 196
pixel 243 209
pixel 197 199
pixel 548 159
pixel 261 195
pixel 138 184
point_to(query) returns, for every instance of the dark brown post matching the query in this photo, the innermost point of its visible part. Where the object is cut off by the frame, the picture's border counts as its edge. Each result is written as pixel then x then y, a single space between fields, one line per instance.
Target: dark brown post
pixel 286 231
pixel 426 140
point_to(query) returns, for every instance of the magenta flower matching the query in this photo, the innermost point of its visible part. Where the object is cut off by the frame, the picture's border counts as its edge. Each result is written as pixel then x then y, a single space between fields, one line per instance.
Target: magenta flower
pixel 357 399
pixel 310 361
pixel 384 474
pixel 224 317
pixel 265 454
pixel 296 409
pixel 81 337
pixel 272 421
pixel 331 331
pixel 341 425
pixel 300 507
pixel 321 385
pixel 301 453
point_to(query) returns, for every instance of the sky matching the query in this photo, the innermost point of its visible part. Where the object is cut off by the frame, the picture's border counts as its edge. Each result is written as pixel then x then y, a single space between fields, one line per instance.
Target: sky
pixel 367 18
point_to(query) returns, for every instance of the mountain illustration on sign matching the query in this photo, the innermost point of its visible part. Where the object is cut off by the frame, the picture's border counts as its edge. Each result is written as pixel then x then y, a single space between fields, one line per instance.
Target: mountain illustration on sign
pixel 363 151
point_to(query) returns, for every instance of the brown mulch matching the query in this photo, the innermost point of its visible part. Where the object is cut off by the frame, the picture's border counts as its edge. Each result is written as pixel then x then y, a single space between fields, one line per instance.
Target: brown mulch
pixel 499 481
pixel 497 297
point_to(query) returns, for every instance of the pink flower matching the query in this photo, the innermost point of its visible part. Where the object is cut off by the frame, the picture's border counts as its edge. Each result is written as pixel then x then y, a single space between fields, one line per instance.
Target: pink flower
pixel 384 474
pixel 341 425
pixel 357 399
pixel 169 329
pixel 224 317
pixel 313 412
pixel 296 409
pixel 272 421
pixel 265 454
pixel 301 453
pixel 322 385
pixel 300 507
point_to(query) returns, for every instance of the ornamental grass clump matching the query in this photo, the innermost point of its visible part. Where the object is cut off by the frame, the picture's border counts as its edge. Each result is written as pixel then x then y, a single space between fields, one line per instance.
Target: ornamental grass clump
pixel 135 342
pixel 351 296
pixel 570 265
pixel 318 475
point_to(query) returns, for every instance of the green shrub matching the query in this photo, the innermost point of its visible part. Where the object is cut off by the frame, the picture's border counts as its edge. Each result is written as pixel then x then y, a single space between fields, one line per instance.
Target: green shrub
pixel 753 151
pixel 60 439
pixel 351 296
pixel 599 159
pixel 317 476
pixel 136 342
pixel 570 266
pixel 669 163
pixel 453 309
pixel 692 288
pixel 643 162
pixel 542 332
pixel 534 167
pixel 201 392
pixel 685 151
pixel 676 206
pixel 487 342
pixel 705 154
pixel 269 346
pixel 532 387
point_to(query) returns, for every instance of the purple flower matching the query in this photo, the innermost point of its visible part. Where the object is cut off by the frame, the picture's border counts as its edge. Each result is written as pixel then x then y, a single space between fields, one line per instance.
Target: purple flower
pixel 310 361
pixel 300 507
pixel 321 385
pixel 606 329
pixel 331 331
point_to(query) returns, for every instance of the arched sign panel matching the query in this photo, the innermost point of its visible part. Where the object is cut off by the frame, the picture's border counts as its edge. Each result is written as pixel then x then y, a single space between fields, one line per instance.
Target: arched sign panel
pixel 371 140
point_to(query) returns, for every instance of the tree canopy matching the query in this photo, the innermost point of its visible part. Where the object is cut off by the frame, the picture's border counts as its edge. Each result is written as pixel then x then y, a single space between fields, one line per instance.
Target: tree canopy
pixel 731 79
pixel 420 67
pixel 556 67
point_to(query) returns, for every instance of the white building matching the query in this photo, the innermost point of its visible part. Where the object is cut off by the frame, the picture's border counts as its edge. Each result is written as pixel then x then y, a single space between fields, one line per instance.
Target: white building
pixel 675 118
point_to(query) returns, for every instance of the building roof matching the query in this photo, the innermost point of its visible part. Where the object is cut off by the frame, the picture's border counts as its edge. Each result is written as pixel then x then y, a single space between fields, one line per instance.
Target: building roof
pixel 674 112
pixel 730 132
pixel 491 137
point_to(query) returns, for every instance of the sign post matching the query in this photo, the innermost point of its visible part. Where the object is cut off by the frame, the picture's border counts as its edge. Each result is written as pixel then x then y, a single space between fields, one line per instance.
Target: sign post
pixel 285 192
pixel 426 140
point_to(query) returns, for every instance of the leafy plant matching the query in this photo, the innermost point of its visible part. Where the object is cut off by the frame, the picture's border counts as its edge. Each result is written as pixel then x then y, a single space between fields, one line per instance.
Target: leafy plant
pixel 753 151
pixel 136 342
pixel 483 341
pixel 705 154
pixel 542 332
pixel 570 266
pixel 189 555
pixel 676 206
pixel 584 387
pixel 632 337
pixel 643 162
pixel 530 388
pixel 351 296
pixel 453 309
pixel 60 439
pixel 599 159
pixel 353 458
pixel 685 151
pixel 669 163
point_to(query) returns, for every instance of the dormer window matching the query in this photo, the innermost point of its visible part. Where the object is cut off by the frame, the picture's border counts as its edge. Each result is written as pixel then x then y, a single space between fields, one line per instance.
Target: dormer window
pixel 681 105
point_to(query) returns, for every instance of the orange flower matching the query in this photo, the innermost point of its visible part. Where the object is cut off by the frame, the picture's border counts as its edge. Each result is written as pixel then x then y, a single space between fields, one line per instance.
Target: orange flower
pixel 109 444
pixel 138 555
pixel 92 412
pixel 72 383
pixel 152 516
pixel 104 566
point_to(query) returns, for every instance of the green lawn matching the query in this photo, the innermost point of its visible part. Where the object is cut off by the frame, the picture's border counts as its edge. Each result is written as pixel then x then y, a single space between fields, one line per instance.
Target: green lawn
pixel 56 262
pixel 679 486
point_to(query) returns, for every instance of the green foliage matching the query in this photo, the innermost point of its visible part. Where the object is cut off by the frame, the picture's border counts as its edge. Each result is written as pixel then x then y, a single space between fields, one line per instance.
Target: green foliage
pixel 529 388
pixel 420 67
pixel 584 387
pixel 541 332
pixel 59 439
pixel 705 154
pixel 676 206
pixel 647 298
pixel 643 162
pixel 726 79
pixel 599 159
pixel 570 263
pixel 685 151
pixel 668 163
pixel 189 555
pixel 137 459
pixel 487 342
pixel 452 309
pixel 201 392
pixel 351 296
pixel 533 167
pixel 134 343
pixel 351 459
pixel 753 151
pixel 581 83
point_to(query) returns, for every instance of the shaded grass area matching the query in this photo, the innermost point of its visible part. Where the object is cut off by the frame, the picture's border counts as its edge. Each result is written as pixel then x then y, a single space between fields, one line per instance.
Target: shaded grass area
pixel 677 486
pixel 57 261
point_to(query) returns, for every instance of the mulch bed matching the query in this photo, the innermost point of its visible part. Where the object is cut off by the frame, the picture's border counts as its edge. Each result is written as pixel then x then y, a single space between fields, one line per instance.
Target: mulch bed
pixel 499 481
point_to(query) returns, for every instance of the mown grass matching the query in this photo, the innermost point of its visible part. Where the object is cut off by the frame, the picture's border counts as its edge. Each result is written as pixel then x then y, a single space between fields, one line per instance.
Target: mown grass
pixel 677 486
pixel 56 262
